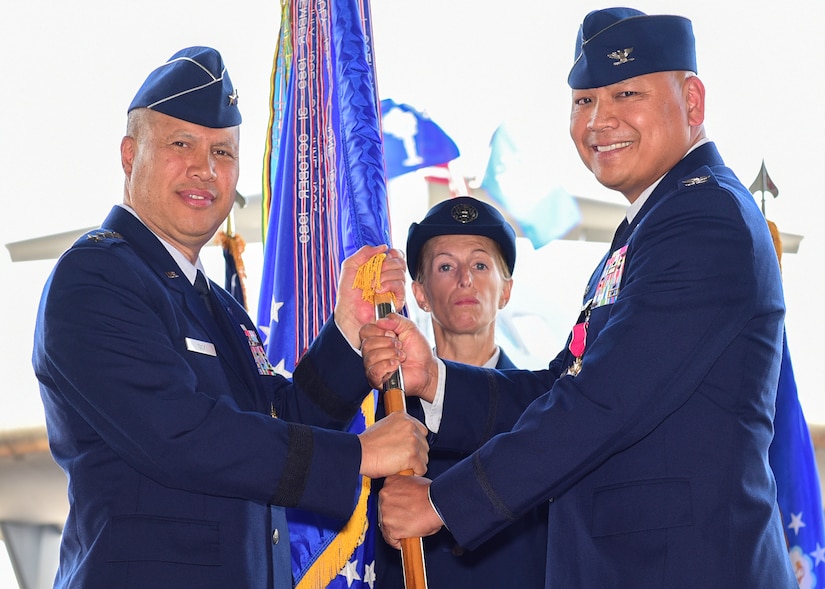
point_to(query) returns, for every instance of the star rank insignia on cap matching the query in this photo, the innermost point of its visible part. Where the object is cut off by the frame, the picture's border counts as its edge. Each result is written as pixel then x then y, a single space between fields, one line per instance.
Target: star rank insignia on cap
pixel 193 86
pixel 695 181
pixel 622 56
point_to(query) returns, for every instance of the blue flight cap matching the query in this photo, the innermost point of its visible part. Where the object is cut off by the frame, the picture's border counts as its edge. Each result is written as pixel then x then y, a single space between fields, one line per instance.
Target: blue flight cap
pixel 620 43
pixel 193 86
pixel 462 215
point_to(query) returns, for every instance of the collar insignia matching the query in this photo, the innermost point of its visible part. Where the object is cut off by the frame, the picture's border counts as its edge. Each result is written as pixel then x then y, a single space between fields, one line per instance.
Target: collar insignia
pixel 172 274
pixel 621 56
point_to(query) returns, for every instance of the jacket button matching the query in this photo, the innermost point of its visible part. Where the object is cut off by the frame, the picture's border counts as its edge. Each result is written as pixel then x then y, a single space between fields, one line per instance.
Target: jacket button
pixel 276 536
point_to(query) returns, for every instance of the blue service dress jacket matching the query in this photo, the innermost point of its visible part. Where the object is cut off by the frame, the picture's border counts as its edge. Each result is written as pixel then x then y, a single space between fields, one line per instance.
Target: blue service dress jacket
pixel 176 435
pixel 655 456
pixel 515 556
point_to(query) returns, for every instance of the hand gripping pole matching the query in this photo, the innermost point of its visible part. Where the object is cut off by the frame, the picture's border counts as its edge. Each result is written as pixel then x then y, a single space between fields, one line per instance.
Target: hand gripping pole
pixel 412 549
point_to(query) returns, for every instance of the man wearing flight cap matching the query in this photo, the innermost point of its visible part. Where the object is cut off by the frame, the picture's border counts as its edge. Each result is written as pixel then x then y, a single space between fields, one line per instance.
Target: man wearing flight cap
pixel 649 433
pixel 160 404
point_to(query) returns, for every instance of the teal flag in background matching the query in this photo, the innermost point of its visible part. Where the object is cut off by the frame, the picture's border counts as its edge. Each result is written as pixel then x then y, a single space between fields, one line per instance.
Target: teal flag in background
pixel 542 211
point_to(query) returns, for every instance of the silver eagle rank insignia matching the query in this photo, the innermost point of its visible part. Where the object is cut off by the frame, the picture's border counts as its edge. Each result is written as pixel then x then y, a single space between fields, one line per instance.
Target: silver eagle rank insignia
pixel 622 56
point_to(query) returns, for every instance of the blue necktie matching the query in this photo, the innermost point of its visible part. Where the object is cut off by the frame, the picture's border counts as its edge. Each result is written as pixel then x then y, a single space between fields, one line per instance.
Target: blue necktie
pixel 619 231
pixel 203 290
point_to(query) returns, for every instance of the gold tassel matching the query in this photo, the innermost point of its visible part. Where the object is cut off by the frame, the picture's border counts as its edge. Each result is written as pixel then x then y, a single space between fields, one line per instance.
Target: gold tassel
pixel 368 279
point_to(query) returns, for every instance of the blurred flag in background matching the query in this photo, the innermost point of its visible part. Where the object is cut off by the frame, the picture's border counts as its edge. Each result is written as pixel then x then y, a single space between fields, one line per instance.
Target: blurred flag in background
pixel 412 140
pixel 542 212
pixel 235 271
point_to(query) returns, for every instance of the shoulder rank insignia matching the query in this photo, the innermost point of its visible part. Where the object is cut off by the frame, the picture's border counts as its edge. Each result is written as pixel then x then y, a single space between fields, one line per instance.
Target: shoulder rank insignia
pixel 695 181
pixel 101 235
pixel 621 56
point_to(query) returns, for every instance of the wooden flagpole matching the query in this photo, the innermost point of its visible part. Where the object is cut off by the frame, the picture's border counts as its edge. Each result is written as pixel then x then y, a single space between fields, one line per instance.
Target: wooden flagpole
pixel 368 279
pixel 412 549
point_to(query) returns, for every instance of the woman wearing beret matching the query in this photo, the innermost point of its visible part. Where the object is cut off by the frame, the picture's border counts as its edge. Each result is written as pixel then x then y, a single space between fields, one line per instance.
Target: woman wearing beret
pixel 461 257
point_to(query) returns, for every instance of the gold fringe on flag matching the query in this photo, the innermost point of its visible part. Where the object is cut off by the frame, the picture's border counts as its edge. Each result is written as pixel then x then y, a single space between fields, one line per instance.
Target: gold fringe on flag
pixel 333 558
pixel 278 84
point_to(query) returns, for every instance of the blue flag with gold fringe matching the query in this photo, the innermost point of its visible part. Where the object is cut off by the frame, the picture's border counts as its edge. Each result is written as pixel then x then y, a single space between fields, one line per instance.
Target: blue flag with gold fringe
pixel 325 196
pixel 793 462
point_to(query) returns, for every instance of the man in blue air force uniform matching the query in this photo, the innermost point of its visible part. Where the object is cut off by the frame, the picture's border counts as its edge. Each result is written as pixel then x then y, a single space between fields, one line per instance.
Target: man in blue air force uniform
pixel 649 433
pixel 161 405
